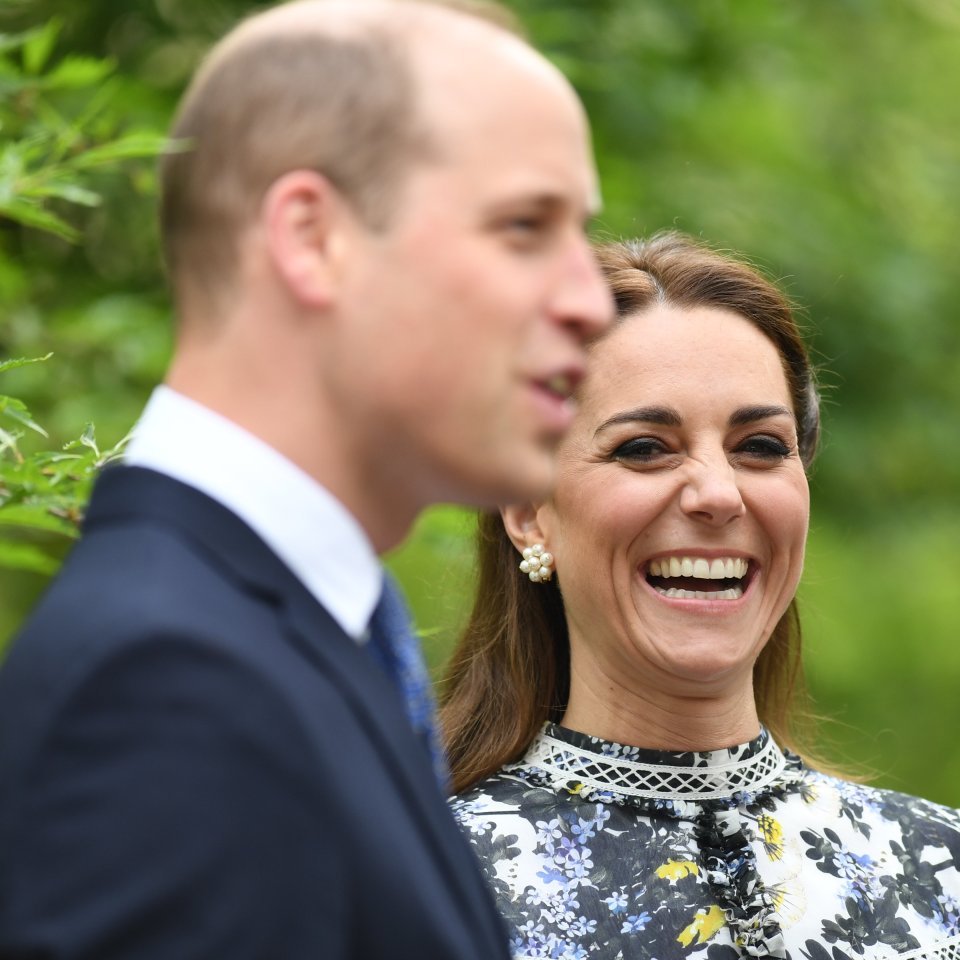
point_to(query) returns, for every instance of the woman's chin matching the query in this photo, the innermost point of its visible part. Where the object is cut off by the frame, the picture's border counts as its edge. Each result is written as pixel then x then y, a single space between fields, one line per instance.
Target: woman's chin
pixel 710 661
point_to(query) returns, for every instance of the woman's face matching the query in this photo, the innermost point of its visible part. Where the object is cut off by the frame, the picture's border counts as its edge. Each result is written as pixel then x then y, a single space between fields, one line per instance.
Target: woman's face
pixel 680 511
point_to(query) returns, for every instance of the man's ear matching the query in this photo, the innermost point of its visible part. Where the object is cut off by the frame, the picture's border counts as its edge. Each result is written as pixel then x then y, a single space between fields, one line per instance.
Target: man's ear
pixel 304 219
pixel 521 523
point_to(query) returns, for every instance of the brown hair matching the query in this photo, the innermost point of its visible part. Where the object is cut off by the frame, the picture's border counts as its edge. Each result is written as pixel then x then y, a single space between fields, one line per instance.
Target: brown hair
pixel 510 672
pixel 343 104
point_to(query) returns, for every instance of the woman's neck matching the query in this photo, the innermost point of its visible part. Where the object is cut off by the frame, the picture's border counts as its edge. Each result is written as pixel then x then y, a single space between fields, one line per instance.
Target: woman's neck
pixel 676 720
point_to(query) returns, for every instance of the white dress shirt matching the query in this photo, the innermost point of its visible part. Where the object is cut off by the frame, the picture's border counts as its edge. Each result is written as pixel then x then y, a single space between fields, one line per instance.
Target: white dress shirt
pixel 301 521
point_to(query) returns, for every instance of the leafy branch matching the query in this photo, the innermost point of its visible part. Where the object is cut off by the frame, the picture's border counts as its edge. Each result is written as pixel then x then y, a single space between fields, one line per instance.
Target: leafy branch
pixel 43 491
pixel 53 154
pixel 48 160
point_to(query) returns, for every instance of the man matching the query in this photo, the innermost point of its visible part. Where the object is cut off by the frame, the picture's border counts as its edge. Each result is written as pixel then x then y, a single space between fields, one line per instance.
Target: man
pixel 374 227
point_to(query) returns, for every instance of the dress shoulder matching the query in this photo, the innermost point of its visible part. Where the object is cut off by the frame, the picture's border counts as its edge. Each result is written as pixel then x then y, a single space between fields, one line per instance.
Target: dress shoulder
pixel 801 864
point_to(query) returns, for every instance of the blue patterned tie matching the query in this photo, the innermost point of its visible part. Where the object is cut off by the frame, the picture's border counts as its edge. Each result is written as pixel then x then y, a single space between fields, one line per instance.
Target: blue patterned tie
pixel 393 645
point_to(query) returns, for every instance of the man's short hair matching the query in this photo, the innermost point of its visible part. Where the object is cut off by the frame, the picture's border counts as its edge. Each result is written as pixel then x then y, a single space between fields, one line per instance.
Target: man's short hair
pixel 345 105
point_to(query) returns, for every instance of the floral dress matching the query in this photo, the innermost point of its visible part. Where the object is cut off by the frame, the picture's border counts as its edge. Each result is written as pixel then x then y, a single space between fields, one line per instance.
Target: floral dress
pixel 602 851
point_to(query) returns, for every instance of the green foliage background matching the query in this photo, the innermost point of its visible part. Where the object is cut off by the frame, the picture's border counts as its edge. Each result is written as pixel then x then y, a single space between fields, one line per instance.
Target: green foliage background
pixel 819 139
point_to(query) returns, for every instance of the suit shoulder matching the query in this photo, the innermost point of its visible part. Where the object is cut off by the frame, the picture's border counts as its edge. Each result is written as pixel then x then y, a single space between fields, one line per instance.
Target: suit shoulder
pixel 125 586
pixel 135 609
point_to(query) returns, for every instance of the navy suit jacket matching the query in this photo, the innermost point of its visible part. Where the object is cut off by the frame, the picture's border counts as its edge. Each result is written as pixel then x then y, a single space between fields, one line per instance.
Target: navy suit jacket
pixel 197 762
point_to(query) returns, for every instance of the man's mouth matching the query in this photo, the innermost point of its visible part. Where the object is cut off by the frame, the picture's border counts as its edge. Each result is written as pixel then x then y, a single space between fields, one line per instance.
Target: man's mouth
pixel 561 385
pixel 699 578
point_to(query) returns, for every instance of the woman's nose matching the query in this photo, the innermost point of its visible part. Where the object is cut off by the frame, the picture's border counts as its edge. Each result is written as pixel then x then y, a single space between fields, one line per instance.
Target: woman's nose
pixel 711 493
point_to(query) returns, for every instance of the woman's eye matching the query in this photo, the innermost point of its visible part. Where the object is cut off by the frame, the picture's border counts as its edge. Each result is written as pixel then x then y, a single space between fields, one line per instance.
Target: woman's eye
pixel 638 449
pixel 764 448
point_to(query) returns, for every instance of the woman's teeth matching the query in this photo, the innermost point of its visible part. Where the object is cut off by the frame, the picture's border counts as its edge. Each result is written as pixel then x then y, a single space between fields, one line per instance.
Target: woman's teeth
pixel 733 593
pixel 722 568
pixel 698 568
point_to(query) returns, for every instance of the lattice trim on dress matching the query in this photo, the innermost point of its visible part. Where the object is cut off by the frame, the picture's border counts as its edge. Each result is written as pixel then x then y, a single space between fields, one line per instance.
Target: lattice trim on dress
pixel 658 782
pixel 948 950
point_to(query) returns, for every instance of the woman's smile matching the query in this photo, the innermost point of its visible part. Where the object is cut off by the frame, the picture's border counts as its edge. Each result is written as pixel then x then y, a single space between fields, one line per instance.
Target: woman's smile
pixel 689 575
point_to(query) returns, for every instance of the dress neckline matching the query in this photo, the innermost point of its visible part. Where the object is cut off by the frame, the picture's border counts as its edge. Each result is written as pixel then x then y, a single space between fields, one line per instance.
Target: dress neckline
pixel 613 769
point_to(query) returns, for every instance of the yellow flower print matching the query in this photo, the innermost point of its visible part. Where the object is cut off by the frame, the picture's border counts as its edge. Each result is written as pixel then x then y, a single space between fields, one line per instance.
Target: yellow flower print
pixel 705 924
pixel 772 835
pixel 674 870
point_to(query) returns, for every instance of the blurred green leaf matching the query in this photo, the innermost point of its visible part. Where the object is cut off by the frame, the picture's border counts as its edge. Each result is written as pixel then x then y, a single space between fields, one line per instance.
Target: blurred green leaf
pixel 17 410
pixel 15 41
pixel 39 45
pixel 25 556
pixel 14 363
pixel 38 516
pixel 8 441
pixel 33 215
pixel 128 147
pixel 72 192
pixel 89 439
pixel 74 72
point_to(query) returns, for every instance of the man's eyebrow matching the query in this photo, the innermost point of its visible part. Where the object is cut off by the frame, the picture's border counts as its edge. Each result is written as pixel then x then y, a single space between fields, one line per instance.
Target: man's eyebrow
pixel 551 201
pixel 533 198
pixel 665 416
pixel 745 415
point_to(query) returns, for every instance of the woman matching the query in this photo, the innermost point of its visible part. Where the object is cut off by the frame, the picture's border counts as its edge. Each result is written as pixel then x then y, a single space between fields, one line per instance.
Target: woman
pixel 621 712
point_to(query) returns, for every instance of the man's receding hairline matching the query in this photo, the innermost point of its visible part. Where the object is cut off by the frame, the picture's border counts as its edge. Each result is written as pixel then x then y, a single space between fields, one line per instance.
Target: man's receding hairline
pixel 430 35
pixel 407 22
pixel 355 19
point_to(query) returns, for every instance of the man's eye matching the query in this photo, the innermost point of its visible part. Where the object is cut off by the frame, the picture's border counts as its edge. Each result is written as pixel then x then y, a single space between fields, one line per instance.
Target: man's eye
pixel 526 224
pixel 639 449
pixel 764 447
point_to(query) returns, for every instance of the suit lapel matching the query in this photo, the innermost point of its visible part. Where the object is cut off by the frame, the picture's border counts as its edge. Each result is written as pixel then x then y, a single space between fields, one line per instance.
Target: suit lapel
pixel 376 704
pixel 124 494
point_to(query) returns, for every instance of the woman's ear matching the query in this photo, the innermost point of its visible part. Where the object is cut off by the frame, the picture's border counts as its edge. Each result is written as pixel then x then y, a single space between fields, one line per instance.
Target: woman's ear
pixel 521 523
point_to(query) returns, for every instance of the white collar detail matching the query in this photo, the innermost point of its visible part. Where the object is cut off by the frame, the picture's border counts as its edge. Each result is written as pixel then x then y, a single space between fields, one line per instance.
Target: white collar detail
pixel 715 775
pixel 301 521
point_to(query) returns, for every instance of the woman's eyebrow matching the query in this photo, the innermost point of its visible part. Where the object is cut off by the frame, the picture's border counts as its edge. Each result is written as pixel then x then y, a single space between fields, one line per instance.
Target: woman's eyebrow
pixel 665 416
pixel 669 417
pixel 745 415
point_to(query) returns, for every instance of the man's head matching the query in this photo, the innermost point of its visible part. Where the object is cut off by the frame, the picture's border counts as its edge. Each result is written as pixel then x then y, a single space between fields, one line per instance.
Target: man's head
pixel 292 89
pixel 401 188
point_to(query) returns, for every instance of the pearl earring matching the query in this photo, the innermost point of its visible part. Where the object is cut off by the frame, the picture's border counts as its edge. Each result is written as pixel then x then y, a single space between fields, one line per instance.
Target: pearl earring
pixel 537 563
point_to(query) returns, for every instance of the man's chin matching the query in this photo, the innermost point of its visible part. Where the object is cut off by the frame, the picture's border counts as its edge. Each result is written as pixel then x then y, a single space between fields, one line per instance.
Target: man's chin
pixel 531 479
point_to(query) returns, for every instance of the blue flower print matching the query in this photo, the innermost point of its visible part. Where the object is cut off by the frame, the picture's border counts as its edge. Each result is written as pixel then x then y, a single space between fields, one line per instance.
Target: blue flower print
pixel 635 923
pixel 548 873
pixel 584 830
pixel 547 832
pixel 617 902
pixel 582 926
pixel 579 864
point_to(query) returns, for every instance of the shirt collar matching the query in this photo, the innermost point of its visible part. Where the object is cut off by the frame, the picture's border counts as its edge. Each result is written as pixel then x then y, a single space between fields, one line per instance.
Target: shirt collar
pixel 301 521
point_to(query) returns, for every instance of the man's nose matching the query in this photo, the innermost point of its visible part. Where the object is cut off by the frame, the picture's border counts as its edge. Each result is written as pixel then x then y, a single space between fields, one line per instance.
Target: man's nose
pixel 584 302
